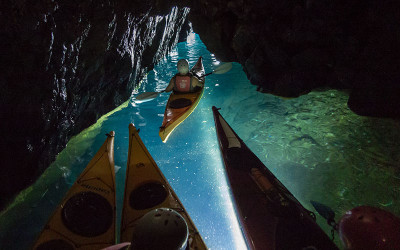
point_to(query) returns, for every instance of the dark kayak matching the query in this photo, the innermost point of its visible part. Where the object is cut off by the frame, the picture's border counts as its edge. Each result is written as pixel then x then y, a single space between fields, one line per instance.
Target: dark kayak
pixel 270 216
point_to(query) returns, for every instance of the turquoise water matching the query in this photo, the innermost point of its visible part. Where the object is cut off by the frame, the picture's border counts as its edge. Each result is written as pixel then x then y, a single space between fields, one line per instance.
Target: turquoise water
pixel 190 159
pixel 317 147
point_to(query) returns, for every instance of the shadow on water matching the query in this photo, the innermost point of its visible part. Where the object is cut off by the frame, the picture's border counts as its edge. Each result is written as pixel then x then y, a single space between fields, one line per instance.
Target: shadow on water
pixel 314 144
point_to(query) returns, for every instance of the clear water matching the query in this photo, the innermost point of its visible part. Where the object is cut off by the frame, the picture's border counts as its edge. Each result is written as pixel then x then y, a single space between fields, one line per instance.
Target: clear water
pixel 317 147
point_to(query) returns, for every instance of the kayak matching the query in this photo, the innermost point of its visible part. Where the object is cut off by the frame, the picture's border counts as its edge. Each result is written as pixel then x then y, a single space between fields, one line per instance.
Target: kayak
pixel 85 218
pixel 181 105
pixel 147 190
pixel 270 216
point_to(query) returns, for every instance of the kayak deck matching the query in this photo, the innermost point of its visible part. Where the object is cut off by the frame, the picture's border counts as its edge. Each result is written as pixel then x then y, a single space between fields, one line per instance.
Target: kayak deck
pixel 146 189
pixel 85 219
pixel 270 216
pixel 174 116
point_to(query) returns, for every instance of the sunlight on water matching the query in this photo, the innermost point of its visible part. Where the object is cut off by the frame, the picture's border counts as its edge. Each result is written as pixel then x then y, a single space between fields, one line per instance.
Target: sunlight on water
pixel 191 158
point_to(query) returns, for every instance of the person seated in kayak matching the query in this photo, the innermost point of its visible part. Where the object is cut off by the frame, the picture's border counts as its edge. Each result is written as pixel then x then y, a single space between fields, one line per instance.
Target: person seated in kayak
pixel 184 81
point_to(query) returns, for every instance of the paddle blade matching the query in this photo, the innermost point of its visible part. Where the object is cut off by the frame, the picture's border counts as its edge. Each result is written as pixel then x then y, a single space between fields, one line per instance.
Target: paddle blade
pixel 324 211
pixel 147 95
pixel 223 68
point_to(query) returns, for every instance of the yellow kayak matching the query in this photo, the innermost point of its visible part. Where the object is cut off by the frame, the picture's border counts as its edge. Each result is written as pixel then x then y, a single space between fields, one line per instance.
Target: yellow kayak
pixel 85 219
pixel 181 105
pixel 152 214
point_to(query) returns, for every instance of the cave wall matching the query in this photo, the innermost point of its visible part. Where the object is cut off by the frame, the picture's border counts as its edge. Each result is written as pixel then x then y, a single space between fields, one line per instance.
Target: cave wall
pixel 65 64
pixel 289 48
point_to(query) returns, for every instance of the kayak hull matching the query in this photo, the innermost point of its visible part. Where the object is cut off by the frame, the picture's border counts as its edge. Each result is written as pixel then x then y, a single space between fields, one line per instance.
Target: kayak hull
pixel 174 116
pixel 270 216
pixel 143 175
pixel 85 218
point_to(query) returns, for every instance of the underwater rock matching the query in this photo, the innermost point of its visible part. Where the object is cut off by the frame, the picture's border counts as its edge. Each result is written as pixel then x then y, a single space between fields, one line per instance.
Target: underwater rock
pixel 289 48
pixel 67 63
pixel 304 139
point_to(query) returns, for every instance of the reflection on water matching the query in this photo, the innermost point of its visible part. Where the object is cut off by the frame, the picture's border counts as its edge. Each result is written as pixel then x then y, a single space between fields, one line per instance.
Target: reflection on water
pixel 317 147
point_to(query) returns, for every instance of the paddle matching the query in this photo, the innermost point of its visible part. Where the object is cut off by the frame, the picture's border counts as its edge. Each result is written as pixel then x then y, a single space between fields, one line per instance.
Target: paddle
pixel 147 95
pixel 222 69
pixel 325 212
pixel 219 70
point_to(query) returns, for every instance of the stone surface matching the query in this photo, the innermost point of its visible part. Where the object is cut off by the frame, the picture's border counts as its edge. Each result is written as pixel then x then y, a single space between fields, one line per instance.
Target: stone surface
pixel 289 48
pixel 64 65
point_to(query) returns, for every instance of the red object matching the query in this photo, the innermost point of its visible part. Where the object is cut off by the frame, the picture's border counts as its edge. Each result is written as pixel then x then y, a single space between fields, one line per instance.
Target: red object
pixel 182 83
pixel 367 228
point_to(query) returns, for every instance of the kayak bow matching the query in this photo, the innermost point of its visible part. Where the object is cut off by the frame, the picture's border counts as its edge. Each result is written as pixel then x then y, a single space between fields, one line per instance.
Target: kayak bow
pixel 146 190
pixel 187 102
pixel 270 216
pixel 85 219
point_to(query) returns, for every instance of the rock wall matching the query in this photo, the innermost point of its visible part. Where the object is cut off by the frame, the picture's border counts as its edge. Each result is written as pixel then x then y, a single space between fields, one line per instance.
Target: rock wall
pixel 289 48
pixel 65 64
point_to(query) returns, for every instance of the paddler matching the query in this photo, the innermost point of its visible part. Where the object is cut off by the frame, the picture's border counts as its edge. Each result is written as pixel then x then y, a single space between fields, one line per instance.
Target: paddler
pixel 364 227
pixel 369 228
pixel 184 81
pixel 161 228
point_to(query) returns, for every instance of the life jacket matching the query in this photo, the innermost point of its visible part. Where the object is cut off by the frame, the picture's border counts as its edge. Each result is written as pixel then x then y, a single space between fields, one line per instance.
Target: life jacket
pixel 183 83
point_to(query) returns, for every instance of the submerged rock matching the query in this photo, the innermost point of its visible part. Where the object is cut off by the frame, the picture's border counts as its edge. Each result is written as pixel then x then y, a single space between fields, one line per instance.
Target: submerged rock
pixel 304 139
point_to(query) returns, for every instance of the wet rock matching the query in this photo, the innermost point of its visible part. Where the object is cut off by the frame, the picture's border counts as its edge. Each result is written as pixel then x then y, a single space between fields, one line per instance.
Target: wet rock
pixel 381 101
pixel 64 65
pixel 289 48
